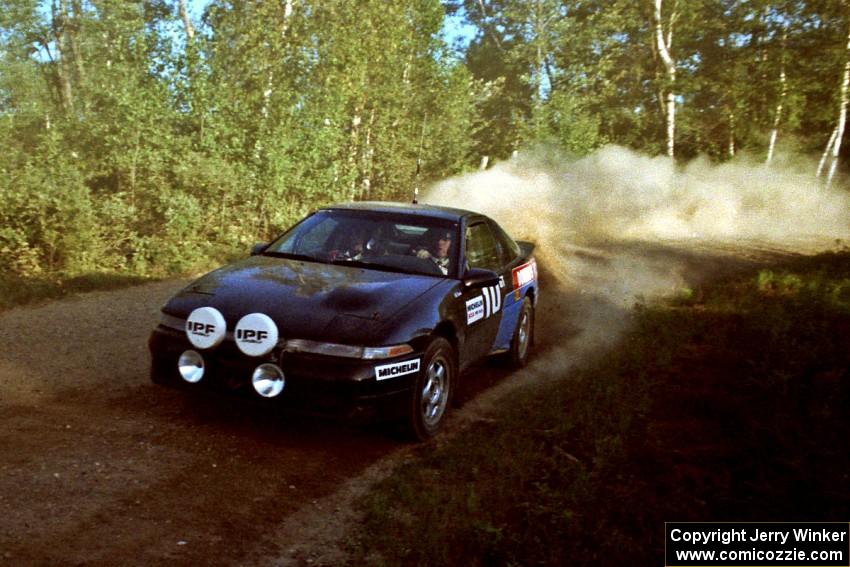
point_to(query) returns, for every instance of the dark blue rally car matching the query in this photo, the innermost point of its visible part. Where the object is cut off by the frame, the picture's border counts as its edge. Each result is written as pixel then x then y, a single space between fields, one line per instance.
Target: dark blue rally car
pixel 362 307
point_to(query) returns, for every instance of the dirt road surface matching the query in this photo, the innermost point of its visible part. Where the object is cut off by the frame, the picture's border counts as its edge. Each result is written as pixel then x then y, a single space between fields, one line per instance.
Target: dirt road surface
pixel 100 467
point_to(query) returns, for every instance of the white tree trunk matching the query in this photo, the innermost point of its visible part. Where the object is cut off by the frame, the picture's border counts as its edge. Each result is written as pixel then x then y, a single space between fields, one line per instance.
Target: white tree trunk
pixel 842 114
pixel 670 69
pixel 74 42
pixel 368 155
pixel 267 93
pixel 269 90
pixel 353 151
pixel 287 13
pixel 731 147
pixel 60 35
pixel 538 87
pixel 777 117
pixel 187 22
pixel 539 26
pixel 826 152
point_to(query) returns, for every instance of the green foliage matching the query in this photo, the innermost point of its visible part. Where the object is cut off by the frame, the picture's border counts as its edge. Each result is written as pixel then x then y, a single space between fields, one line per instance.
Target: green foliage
pixel 729 58
pixel 569 126
pixel 46 210
pixel 131 146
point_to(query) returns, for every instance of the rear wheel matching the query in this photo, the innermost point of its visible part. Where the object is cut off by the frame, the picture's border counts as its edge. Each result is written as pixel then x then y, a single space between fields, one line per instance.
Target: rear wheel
pixel 432 390
pixel 523 335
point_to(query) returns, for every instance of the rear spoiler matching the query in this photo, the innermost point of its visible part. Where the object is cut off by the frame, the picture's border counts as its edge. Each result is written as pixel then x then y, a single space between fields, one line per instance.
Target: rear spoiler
pixel 526 248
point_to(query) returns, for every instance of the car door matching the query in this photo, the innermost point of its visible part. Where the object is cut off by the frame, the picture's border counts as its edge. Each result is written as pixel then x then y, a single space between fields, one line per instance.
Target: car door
pixel 483 303
pixel 516 272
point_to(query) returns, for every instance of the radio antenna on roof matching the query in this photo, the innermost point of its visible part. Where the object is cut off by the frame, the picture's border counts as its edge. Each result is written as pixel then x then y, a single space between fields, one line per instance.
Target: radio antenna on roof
pixel 416 182
pixel 419 161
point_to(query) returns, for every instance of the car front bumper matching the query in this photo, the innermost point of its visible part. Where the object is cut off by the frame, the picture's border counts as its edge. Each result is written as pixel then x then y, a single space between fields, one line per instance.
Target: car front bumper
pixel 315 384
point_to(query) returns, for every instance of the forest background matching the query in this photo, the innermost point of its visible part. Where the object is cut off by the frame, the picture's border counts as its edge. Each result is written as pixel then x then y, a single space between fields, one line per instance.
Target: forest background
pixel 149 138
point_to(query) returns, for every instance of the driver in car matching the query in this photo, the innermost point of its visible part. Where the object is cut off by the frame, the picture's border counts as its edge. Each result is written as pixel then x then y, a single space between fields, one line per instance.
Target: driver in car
pixel 439 252
pixel 355 246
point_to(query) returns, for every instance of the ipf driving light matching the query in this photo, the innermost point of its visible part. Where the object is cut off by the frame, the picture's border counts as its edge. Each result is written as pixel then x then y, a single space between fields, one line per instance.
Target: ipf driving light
pixel 191 366
pixel 268 380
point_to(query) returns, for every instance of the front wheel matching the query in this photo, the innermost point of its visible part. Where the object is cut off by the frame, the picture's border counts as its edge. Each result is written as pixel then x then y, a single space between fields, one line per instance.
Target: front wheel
pixel 432 390
pixel 523 335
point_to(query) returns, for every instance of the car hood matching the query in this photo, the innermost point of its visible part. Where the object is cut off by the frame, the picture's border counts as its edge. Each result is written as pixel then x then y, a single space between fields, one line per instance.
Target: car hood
pixel 309 300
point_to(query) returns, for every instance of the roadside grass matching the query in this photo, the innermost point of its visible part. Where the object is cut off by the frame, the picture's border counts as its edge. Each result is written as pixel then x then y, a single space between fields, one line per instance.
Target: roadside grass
pixel 20 290
pixel 15 291
pixel 726 403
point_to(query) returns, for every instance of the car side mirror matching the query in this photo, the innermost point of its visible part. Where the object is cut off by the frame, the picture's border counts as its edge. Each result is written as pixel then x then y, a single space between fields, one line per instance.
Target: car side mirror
pixel 258 248
pixel 480 277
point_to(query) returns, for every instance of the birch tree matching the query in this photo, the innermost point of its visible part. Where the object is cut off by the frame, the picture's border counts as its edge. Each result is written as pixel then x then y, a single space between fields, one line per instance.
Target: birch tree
pixel 499 57
pixel 60 29
pixel 833 147
pixel 187 21
pixel 783 93
pixel 663 43
pixel 537 25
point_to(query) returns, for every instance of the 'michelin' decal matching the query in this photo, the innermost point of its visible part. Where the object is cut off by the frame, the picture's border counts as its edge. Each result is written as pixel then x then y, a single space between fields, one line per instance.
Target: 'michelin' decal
pixel 474 310
pixel 396 369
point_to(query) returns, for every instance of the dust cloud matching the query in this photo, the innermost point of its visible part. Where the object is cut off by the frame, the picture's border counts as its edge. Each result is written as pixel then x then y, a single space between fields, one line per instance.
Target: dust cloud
pixel 617 227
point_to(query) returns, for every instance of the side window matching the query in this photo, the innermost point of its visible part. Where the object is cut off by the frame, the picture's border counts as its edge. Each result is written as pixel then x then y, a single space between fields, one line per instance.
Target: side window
pixel 509 247
pixel 482 249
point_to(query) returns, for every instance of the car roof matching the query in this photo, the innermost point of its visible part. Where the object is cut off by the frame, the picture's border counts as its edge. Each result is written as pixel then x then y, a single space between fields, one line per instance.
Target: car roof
pixel 432 211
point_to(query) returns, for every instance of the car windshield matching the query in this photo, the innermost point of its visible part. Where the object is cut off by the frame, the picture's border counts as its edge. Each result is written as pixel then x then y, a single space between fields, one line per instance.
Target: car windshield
pixel 386 241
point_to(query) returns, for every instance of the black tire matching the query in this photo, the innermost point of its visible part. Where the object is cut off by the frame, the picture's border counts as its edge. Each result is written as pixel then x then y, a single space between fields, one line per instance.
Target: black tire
pixel 432 390
pixel 523 335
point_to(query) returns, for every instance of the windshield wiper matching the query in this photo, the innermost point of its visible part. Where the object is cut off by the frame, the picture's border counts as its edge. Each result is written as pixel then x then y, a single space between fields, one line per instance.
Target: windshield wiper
pixel 292 256
pixel 372 266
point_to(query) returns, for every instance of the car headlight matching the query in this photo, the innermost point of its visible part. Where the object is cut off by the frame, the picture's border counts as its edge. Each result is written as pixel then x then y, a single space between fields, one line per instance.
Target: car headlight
pixel 191 366
pixel 268 380
pixel 329 349
pixel 346 351
pixel 378 353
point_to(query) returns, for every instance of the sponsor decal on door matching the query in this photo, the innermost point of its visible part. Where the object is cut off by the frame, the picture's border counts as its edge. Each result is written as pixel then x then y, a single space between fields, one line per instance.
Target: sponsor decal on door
pixel 485 305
